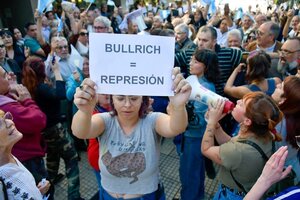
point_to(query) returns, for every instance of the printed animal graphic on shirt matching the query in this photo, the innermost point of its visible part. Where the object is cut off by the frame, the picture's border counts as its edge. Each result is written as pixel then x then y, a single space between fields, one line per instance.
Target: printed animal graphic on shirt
pixel 125 165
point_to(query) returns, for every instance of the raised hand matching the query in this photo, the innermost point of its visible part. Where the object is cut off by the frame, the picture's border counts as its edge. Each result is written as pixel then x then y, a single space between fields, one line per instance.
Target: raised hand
pixel 19 92
pixel 85 97
pixel 181 87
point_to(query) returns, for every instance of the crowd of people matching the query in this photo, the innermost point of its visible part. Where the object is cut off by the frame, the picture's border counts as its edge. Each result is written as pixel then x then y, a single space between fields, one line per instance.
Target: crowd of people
pixel 49 105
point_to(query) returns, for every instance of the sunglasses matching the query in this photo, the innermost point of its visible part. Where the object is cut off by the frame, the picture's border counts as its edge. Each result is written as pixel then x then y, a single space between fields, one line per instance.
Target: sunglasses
pixel 6 116
pixel 2 45
pixel 84 34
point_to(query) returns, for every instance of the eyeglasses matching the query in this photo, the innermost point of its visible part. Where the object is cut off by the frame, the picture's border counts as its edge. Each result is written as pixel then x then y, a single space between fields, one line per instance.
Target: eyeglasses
pixel 62 47
pixel 2 45
pixel 179 33
pixel 259 33
pixel 84 34
pixel 123 99
pixel 285 52
pixel 6 116
pixel 99 27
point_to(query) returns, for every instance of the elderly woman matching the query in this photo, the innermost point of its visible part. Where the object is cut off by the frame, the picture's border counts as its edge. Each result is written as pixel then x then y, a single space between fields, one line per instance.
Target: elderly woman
pixel 130 138
pixel 240 162
pixel 12 173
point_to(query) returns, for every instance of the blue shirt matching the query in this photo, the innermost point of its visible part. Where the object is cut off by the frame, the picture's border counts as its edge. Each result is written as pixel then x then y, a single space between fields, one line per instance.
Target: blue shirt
pixel 196 128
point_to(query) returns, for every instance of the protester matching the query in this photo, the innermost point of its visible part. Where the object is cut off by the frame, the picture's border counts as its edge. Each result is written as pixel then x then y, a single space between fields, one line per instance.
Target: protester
pixel 101 25
pixel 59 141
pixel 12 173
pixel 30 150
pixel 136 139
pixel 13 51
pixel 229 58
pixel 204 64
pixel 241 164
pixel 273 172
pixel 289 56
pixel 234 39
pixel 257 68
pixel 18 37
pixel 76 79
pixel 289 127
pixel 9 65
pixel 198 18
pixel 293 21
pixel 31 40
pixel 103 105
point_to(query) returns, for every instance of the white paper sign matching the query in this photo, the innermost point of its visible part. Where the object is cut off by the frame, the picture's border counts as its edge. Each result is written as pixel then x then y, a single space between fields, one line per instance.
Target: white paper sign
pixel 132 64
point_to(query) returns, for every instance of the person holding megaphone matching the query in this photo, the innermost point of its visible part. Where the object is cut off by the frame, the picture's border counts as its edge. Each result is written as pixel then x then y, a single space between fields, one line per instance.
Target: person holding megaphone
pixel 204 68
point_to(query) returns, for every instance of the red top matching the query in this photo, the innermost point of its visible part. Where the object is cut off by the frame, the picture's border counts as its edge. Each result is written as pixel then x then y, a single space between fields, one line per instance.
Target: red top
pixel 93 151
pixel 30 121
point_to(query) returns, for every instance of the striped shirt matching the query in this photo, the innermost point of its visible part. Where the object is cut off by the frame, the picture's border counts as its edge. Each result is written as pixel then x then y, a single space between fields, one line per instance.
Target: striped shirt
pixel 229 59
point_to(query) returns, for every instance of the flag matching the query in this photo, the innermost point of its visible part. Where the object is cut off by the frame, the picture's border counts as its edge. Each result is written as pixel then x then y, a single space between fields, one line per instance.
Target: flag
pixel 207 1
pixel 89 1
pixel 42 4
pixel 60 24
pixel 76 58
pixel 135 16
pixel 212 8
pixel 239 14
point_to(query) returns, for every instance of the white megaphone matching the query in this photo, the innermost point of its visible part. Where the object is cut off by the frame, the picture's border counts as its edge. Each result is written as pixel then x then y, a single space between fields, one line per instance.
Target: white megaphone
pixel 204 95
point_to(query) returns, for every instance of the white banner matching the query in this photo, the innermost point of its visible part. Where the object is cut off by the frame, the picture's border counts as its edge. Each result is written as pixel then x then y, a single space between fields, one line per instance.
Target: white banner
pixel 132 64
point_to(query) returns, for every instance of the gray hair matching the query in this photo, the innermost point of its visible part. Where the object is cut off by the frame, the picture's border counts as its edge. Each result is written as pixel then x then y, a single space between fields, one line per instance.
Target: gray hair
pixel 104 20
pixel 182 28
pixel 274 29
pixel 158 18
pixel 235 33
pixel 248 15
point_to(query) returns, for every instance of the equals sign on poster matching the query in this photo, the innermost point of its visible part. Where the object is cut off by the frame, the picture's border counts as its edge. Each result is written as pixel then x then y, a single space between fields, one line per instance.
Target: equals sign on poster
pixel 132 64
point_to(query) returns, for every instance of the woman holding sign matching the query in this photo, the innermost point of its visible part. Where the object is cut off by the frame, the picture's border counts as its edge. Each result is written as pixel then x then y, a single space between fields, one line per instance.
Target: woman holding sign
pixel 130 138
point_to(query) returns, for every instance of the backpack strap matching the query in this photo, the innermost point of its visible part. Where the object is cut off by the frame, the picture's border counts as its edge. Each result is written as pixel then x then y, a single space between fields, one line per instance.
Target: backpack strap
pixel 262 153
pixel 238 183
pixel 254 145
